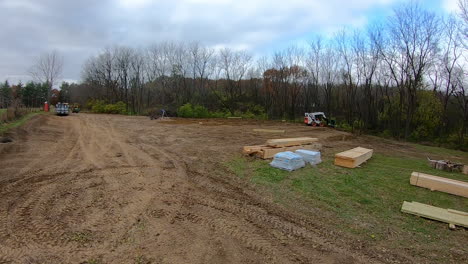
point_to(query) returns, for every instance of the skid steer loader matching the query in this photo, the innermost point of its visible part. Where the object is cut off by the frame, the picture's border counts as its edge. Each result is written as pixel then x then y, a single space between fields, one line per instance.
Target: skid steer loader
pixel 318 119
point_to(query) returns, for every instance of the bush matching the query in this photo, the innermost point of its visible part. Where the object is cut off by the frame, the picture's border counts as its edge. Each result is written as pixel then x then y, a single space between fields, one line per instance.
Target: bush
pixel 197 111
pixel 185 111
pixel 117 108
pixel 200 112
pixel 100 106
pixel 219 114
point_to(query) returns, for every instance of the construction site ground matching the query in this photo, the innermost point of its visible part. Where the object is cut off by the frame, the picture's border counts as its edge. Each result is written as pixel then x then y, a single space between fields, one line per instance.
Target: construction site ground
pixel 91 188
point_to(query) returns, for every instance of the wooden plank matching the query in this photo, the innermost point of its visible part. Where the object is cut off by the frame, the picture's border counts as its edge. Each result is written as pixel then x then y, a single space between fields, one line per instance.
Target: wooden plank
pixel 435 183
pixel 252 149
pixel 269 130
pixel 353 157
pixel 344 163
pixel 268 153
pixel 465 169
pixel 287 142
pixel 449 216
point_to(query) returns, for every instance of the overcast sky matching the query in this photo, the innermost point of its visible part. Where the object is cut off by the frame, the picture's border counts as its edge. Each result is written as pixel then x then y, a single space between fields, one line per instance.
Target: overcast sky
pixel 81 28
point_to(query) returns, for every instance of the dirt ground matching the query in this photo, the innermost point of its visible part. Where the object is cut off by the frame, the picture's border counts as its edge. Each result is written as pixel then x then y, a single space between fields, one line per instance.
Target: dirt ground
pixel 116 189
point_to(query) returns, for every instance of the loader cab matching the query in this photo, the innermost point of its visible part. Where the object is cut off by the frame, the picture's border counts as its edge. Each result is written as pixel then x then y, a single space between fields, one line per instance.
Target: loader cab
pixel 315 119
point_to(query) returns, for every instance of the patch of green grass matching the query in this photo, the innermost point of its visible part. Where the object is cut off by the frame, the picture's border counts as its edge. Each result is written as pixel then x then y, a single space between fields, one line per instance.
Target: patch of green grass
pixel 443 152
pixel 80 237
pixel 365 201
pixel 92 261
pixel 237 166
pixel 142 260
pixel 19 122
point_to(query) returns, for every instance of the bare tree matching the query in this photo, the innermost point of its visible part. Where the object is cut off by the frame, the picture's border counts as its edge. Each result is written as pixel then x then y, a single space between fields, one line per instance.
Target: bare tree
pixel 234 66
pixel 48 69
pixel 408 45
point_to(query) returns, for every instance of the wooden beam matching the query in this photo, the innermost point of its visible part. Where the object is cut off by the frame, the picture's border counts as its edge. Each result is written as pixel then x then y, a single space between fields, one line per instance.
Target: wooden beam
pixel 449 216
pixel 269 130
pixel 253 149
pixel 435 183
pixel 287 142
pixel 268 153
pixel 353 157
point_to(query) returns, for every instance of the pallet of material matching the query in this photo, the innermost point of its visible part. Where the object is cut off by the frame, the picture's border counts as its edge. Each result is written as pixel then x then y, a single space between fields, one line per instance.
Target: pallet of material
pixel 288 142
pixel 435 183
pixel 253 149
pixel 465 169
pixel 267 152
pixel 353 157
pixel 445 165
pixel 449 216
pixel 268 130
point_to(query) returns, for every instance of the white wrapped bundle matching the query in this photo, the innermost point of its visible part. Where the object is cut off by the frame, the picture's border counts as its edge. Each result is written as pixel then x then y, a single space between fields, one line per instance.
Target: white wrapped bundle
pixel 310 156
pixel 287 161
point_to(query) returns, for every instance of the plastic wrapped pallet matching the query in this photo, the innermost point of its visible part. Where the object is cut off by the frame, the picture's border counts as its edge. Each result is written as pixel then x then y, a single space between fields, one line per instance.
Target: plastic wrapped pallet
pixel 287 160
pixel 310 156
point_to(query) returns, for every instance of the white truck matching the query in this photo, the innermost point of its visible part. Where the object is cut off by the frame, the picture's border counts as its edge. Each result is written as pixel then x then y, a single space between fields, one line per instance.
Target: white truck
pixel 62 109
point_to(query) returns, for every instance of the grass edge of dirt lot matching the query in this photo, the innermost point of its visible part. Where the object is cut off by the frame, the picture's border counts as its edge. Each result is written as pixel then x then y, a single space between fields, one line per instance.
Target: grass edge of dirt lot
pixel 365 202
pixel 4 128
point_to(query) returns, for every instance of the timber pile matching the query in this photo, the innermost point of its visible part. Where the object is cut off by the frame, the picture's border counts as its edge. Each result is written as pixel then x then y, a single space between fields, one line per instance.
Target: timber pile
pixel 445 165
pixel 269 130
pixel 353 157
pixel 287 142
pixel 450 216
pixel 273 146
pixel 441 184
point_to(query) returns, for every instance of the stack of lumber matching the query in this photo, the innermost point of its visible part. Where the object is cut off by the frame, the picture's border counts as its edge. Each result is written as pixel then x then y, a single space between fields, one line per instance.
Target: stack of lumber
pixel 445 165
pixel 449 216
pixel 273 146
pixel 435 183
pixel 268 130
pixel 353 157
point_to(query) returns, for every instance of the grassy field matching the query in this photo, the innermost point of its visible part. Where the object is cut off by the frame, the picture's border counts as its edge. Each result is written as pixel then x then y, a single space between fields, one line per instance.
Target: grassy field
pixel 365 202
pixel 7 126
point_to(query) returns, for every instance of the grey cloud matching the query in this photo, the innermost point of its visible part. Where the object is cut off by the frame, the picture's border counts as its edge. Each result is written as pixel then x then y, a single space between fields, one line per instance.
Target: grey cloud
pixel 79 29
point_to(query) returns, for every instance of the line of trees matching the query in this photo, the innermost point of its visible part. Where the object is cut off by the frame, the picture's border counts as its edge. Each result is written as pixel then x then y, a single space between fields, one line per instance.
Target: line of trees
pixel 32 94
pixel 404 78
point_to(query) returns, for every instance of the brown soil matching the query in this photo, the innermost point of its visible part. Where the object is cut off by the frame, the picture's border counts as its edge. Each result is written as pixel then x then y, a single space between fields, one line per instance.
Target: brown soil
pixel 115 189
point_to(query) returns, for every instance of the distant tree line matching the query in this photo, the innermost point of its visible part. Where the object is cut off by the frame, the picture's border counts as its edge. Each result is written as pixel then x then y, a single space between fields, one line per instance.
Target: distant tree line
pixel 29 95
pixel 404 78
pixel 32 94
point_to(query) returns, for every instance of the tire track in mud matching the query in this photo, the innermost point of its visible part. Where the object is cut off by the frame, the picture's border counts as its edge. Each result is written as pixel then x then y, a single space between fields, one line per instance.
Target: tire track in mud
pixel 35 216
pixel 90 189
pixel 257 236
pixel 226 195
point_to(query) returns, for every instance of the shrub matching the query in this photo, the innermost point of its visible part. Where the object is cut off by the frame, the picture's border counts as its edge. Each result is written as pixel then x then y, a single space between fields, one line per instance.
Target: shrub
pixel 117 108
pixel 197 111
pixel 185 111
pixel 200 112
pixel 219 114
pixel 100 106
